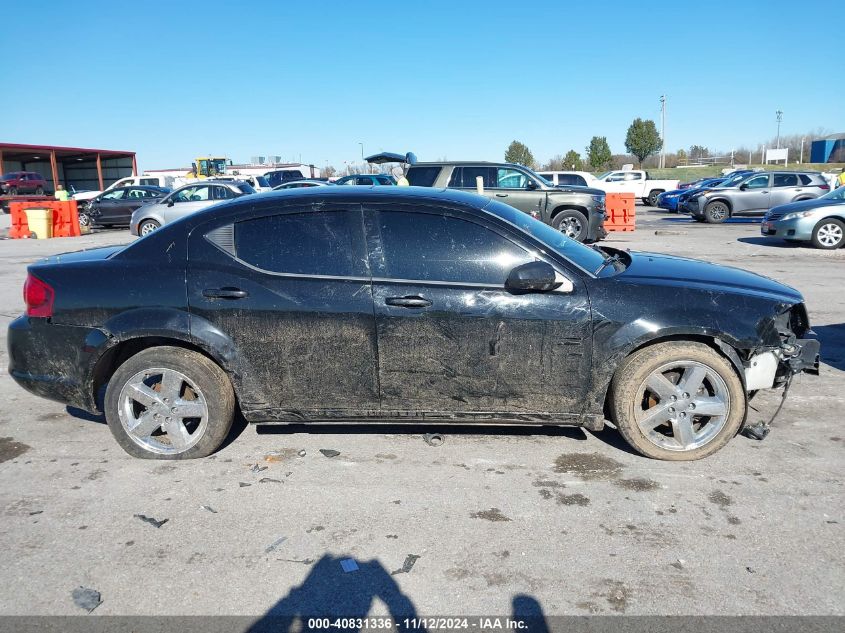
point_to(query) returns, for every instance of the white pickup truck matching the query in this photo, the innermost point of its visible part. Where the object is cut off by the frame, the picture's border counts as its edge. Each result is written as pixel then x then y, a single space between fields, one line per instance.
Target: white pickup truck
pixel 129 181
pixel 634 181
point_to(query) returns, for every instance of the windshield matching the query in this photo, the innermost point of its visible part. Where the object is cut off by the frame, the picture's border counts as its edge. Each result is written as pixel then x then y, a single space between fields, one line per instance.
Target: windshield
pixel 582 256
pixel 836 194
pixel 245 188
pixel 261 181
pixel 730 182
pixel 601 176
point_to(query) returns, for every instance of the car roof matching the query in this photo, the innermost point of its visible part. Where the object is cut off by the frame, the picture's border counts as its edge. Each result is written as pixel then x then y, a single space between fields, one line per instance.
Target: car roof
pixel 143 187
pixel 466 162
pixel 362 193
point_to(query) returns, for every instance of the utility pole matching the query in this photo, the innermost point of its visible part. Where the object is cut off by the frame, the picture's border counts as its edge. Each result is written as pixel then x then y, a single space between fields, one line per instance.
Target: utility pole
pixel 362 155
pixel 779 115
pixel 801 159
pixel 662 131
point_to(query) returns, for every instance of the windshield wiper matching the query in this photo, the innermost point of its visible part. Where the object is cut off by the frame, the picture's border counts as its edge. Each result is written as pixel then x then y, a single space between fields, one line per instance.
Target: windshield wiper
pixel 612 260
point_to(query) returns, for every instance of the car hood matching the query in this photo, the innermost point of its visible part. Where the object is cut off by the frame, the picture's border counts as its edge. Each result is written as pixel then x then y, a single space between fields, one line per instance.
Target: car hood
pixel 579 189
pixel 806 205
pixel 667 270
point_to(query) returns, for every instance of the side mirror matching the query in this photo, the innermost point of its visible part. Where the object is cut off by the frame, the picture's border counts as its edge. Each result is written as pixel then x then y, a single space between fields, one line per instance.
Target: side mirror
pixel 531 185
pixel 532 277
pixel 743 186
pixel 170 202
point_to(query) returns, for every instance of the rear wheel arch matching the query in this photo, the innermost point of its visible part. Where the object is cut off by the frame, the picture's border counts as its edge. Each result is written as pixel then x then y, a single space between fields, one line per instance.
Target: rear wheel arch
pixel 109 362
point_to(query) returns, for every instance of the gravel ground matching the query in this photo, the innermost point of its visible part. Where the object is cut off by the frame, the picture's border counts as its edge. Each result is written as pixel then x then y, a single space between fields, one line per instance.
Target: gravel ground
pixel 503 520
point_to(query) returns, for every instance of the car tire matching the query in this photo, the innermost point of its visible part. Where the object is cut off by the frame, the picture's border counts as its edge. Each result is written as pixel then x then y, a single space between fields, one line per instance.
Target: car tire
pixel 84 219
pixel 145 394
pixel 572 223
pixel 829 234
pixel 147 226
pixel 13 191
pixel 681 431
pixel 716 212
pixel 39 191
pixel 651 200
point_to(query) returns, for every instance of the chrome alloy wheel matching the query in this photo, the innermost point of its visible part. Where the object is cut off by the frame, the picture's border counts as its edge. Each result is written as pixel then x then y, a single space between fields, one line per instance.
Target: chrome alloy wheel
pixel 682 405
pixel 163 411
pixel 830 234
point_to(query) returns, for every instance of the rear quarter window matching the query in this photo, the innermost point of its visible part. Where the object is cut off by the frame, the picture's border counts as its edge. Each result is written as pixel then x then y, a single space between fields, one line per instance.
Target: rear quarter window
pixel 423 176
pixel 302 244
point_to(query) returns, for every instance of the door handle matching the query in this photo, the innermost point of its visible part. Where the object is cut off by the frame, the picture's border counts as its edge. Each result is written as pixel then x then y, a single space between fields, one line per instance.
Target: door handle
pixel 224 293
pixel 501 195
pixel 408 302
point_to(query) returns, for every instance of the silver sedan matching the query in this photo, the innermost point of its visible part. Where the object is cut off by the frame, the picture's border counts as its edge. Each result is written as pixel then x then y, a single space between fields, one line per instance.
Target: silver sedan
pixel 188 199
pixel 820 221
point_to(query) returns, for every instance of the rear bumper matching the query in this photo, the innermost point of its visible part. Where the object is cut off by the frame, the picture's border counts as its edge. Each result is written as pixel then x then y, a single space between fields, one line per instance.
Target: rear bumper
pixel 55 361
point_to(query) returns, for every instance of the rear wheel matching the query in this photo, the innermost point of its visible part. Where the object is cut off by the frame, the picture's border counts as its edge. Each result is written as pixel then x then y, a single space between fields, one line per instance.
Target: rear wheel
pixel 147 226
pixel 39 191
pixel 716 212
pixel 829 234
pixel 677 401
pixel 652 198
pixel 169 403
pixel 573 224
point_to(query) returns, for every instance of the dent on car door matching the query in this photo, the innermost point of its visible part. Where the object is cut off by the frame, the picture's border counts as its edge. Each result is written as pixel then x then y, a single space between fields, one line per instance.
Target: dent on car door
pixel 291 290
pixel 451 338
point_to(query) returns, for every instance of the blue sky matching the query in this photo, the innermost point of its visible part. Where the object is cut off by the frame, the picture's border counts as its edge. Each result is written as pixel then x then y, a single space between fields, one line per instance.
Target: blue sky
pixel 460 80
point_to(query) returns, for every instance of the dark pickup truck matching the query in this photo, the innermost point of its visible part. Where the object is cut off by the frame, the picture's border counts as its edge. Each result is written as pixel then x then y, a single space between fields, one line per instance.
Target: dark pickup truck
pixel 577 212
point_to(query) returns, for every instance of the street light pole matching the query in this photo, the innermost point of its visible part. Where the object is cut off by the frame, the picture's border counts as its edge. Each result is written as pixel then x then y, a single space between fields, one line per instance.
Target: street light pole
pixel 362 155
pixel 801 159
pixel 779 115
pixel 662 131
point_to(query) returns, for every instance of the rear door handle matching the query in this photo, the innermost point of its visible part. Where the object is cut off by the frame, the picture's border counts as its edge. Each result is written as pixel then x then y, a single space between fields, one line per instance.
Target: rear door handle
pixel 224 293
pixel 501 195
pixel 408 302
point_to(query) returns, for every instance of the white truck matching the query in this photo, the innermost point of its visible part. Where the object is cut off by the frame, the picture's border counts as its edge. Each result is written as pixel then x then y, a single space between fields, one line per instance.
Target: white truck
pixel 129 181
pixel 634 181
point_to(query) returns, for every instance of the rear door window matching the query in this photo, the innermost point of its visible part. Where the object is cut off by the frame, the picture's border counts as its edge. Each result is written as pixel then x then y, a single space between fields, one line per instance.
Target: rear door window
pixel 434 247
pixel 786 180
pixel 321 243
pixel 464 177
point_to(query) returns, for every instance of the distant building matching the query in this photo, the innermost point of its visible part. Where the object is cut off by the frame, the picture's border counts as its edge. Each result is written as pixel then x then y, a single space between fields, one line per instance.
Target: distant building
pixel 829 150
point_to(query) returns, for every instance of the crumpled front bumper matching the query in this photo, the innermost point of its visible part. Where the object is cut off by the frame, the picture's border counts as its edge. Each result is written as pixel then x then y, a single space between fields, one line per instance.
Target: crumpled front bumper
pixel 774 368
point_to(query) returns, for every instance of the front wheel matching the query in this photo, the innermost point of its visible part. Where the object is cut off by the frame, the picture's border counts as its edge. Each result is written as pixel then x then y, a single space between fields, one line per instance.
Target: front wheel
pixel 716 212
pixel 13 191
pixel 169 403
pixel 147 227
pixel 573 224
pixel 84 219
pixel 829 234
pixel 677 401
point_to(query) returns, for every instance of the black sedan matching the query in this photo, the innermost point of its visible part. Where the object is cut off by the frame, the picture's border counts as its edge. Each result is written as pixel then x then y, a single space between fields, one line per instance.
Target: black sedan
pixel 115 206
pixel 385 303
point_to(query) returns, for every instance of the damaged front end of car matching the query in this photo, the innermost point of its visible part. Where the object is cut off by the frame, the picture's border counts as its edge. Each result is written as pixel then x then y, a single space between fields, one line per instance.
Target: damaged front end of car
pixel 791 348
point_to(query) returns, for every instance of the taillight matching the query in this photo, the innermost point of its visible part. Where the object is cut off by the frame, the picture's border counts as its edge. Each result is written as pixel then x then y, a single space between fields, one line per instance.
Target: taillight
pixel 38 297
pixel 825 187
